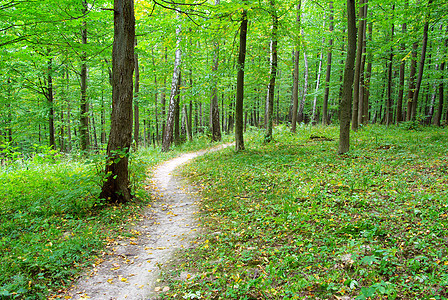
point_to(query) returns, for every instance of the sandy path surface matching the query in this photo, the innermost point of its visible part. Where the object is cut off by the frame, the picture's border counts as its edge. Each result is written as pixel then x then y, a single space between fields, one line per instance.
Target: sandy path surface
pixel 131 271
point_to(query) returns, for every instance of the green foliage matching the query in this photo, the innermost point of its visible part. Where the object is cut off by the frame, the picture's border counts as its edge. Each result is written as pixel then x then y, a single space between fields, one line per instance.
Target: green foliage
pixel 292 219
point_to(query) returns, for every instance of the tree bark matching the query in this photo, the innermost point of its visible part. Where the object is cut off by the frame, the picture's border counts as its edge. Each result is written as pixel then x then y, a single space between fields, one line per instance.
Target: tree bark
pixel 399 113
pixel 315 118
pixel 239 126
pixel 214 108
pixel 325 120
pixel 169 127
pixel 136 100
pixel 389 112
pixel 357 76
pixel 438 117
pixel 412 72
pixel 50 98
pixel 345 106
pixel 421 67
pixel 84 114
pixel 116 185
pixel 295 87
pixel 272 75
pixel 300 116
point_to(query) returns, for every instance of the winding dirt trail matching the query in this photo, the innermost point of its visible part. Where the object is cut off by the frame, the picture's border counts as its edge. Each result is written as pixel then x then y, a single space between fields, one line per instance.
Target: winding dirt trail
pixel 132 269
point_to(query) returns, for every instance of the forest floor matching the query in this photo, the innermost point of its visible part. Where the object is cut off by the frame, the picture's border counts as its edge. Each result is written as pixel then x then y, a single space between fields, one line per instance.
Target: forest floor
pixel 131 268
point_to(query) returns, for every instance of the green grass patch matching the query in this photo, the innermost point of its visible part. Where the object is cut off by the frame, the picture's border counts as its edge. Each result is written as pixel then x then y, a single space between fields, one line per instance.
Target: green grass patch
pixel 292 219
pixel 52 225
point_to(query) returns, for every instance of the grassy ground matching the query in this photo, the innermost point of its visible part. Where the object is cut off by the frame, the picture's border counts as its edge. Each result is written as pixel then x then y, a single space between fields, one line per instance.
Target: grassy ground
pixel 52 225
pixel 293 220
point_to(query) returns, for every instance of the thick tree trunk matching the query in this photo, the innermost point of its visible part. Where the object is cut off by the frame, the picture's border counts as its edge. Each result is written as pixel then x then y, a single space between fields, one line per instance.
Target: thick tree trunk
pixel 345 106
pixel 325 120
pixel 169 127
pixel 116 185
pixel 368 75
pixel 357 76
pixel 239 126
pixel 136 100
pixel 272 76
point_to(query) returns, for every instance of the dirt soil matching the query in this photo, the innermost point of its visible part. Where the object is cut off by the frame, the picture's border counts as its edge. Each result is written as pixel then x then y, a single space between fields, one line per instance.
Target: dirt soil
pixel 132 268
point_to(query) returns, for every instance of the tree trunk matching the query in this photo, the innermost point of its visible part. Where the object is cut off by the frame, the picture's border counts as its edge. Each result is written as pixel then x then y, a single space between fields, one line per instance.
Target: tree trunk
pixel 438 118
pixel 300 117
pixel 412 72
pixel 363 106
pixel 325 120
pixel 272 75
pixel 368 75
pixel 295 87
pixel 399 113
pixel 389 102
pixel 169 127
pixel 177 112
pixel 214 108
pixel 315 118
pixel 345 106
pixel 239 128
pixel 84 114
pixel 357 76
pixel 50 98
pixel 116 185
pixel 136 100
pixel 421 67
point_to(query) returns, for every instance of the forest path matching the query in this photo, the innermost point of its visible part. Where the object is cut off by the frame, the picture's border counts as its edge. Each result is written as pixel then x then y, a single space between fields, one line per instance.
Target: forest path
pixel 131 270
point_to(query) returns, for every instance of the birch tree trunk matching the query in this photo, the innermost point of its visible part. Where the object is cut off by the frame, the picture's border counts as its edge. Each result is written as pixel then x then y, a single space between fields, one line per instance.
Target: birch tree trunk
pixel 314 119
pixel 169 127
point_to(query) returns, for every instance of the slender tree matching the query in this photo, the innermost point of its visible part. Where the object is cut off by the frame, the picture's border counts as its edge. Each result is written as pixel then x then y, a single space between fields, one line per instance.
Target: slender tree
pixel 239 126
pixel 345 106
pixel 272 75
pixel 325 120
pixel 295 88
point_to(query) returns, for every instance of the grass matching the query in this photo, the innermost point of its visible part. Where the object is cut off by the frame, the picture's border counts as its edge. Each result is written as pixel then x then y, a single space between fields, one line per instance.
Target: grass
pixel 292 219
pixel 52 225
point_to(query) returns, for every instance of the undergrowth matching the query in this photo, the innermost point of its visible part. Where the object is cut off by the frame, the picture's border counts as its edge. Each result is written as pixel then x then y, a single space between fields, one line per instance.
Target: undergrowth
pixel 292 219
pixel 52 224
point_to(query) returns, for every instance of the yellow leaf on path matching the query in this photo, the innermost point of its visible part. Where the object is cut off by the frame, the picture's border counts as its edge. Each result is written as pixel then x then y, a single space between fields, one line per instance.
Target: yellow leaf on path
pixel 133 243
pixel 161 248
pixel 116 268
pixel 188 276
pixel 110 280
pixel 124 279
